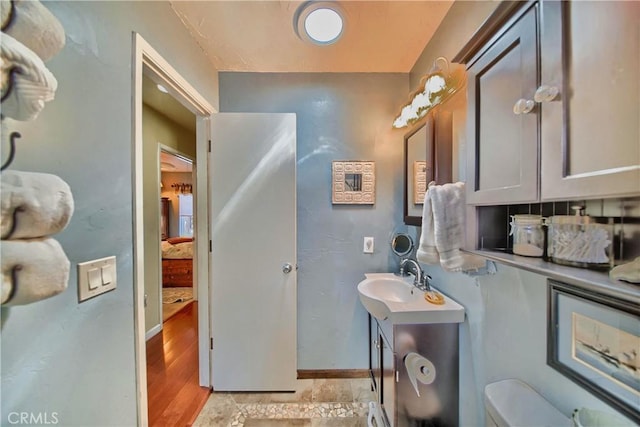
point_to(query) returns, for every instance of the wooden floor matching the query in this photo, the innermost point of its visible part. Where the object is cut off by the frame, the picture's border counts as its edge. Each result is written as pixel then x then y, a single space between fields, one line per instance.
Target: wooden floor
pixel 175 398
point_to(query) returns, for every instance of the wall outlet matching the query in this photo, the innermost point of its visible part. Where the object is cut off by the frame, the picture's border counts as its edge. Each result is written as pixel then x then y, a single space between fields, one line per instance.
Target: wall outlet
pixel 368 245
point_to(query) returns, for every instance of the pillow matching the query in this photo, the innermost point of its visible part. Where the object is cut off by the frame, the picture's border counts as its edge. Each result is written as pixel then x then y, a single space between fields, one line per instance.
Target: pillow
pixel 176 240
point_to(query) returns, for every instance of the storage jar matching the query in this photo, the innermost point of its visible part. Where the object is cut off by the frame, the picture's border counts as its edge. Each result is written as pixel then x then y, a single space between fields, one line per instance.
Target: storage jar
pixel 528 235
pixel 579 241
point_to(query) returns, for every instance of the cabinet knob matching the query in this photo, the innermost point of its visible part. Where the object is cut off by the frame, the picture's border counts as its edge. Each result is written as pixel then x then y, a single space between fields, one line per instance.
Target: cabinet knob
pixel 287 268
pixel 546 93
pixel 523 106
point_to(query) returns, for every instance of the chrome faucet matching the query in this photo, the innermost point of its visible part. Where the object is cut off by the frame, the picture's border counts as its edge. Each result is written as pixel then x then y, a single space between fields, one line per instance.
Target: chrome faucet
pixel 417 269
pixel 421 279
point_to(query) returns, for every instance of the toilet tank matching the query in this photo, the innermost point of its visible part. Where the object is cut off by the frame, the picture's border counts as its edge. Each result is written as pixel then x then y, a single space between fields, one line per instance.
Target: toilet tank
pixel 511 403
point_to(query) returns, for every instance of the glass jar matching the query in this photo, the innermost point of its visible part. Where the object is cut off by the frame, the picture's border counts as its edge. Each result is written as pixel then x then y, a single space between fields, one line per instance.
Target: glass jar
pixel 579 241
pixel 528 235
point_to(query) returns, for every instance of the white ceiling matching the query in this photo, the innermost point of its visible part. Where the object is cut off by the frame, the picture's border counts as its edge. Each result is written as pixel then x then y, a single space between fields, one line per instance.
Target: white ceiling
pixel 167 105
pixel 172 163
pixel 259 36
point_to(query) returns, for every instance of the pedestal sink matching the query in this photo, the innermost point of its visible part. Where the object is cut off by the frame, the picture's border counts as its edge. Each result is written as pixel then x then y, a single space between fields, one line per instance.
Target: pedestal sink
pixel 389 297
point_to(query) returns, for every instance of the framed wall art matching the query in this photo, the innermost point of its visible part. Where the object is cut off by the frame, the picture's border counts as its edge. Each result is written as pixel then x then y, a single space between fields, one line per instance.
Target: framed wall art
pixel 353 182
pixel 594 340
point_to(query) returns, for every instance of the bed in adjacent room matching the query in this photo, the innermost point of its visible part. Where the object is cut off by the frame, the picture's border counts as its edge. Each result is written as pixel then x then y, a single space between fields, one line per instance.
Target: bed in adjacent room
pixel 177 274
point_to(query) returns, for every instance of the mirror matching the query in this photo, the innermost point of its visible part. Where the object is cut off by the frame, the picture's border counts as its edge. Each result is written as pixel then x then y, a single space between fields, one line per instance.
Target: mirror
pixel 418 172
pixel 427 157
pixel 402 244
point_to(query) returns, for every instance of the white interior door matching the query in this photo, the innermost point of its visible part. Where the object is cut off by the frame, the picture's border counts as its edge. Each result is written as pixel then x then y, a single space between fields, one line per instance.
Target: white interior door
pixel 253 232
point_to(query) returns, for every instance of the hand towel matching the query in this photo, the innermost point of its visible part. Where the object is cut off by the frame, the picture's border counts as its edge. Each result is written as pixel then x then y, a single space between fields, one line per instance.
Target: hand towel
pixel 32 270
pixel 427 251
pixel 443 229
pixel 26 83
pixel 33 204
pixel 629 272
pixel 33 25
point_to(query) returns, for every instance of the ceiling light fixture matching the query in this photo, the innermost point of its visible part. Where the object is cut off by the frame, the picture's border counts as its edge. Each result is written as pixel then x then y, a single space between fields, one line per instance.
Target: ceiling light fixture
pixel 319 22
pixel 435 88
pixel 162 88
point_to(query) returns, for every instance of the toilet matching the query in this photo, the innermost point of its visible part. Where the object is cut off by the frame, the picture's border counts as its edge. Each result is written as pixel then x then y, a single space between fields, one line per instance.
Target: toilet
pixel 511 403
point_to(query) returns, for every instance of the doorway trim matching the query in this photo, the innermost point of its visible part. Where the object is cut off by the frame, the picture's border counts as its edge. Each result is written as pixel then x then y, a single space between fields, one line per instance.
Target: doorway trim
pixel 146 56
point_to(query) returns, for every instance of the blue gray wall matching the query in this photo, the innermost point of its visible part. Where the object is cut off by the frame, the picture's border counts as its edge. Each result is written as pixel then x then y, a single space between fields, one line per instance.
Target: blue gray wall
pixel 58 355
pixel 339 117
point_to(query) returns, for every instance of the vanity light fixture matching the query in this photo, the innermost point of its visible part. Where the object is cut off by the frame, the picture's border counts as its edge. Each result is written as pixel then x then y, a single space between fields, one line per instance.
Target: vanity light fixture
pixel 319 22
pixel 436 87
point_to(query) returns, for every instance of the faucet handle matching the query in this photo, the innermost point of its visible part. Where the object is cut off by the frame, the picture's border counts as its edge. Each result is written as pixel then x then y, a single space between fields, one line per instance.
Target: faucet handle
pixel 425 281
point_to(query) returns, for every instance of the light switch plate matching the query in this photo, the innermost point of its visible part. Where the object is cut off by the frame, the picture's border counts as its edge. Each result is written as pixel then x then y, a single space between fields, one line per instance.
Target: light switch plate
pixel 100 269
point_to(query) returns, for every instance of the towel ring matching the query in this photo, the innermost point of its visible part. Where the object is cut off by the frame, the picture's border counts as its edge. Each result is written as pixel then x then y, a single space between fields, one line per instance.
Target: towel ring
pixel 10 82
pixel 11 17
pixel 12 150
pixel 14 283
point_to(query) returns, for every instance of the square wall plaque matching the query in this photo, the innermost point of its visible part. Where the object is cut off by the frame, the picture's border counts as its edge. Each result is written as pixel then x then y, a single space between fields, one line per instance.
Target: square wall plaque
pixel 419 182
pixel 353 182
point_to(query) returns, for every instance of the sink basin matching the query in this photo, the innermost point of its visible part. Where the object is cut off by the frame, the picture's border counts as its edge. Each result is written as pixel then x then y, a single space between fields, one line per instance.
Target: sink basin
pixel 388 289
pixel 390 297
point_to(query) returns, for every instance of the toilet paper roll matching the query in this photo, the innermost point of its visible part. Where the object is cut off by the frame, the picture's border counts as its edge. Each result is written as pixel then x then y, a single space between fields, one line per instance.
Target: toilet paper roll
pixel 419 369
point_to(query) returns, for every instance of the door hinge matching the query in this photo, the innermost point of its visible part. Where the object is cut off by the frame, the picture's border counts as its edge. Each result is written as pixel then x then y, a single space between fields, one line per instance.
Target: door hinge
pixel 210 246
pixel 209 145
pixel 211 343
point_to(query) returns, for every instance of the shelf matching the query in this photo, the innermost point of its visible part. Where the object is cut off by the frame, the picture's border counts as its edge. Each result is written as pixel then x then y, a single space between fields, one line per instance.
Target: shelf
pixel 596 281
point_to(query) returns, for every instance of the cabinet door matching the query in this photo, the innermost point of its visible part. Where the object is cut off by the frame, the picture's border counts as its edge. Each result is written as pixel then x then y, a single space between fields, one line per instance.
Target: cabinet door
pixel 375 367
pixel 591 131
pixel 502 160
pixel 388 390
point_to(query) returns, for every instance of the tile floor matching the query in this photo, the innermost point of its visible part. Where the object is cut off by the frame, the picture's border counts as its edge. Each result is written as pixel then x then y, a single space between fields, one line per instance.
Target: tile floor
pixel 315 403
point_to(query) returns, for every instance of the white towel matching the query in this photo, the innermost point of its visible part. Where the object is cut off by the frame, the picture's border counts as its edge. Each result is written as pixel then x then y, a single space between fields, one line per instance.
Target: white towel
pixel 26 83
pixel 443 229
pixel 33 25
pixel 32 270
pixel 33 204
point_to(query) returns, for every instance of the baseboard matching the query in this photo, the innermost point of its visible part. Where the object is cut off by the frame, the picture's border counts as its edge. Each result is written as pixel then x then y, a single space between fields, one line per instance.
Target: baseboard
pixel 308 374
pixel 153 332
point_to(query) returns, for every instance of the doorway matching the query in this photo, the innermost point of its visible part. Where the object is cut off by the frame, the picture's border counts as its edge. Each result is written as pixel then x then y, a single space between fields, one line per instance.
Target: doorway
pixel 147 62
pixel 177 287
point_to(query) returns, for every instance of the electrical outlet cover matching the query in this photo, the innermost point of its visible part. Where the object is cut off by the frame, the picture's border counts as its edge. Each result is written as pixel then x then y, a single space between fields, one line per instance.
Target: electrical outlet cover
pixel 368 245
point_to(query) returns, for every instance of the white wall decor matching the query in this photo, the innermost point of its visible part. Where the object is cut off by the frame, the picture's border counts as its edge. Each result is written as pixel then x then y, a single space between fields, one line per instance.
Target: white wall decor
pixel 353 183
pixel 419 181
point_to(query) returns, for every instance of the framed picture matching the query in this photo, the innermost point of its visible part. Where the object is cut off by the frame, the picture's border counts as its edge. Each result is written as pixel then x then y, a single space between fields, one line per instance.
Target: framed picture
pixel 419 181
pixel 353 183
pixel 594 340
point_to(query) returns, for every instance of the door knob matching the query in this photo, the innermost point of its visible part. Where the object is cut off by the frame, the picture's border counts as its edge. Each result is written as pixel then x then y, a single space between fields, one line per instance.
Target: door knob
pixel 546 93
pixel 523 106
pixel 287 268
